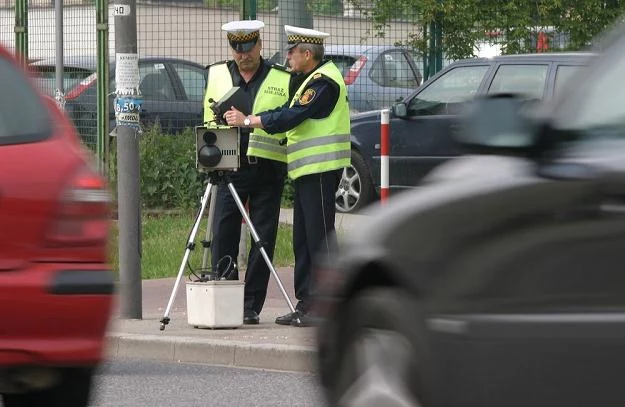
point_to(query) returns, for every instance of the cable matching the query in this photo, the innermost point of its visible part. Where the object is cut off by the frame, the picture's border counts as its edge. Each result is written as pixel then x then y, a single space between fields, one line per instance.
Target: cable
pixel 229 270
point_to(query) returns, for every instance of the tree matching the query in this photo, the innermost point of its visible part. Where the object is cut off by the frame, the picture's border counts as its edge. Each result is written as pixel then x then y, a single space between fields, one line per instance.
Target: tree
pixel 514 23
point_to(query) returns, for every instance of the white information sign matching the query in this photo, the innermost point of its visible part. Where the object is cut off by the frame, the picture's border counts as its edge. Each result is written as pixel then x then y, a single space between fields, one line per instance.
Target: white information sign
pixel 126 72
pixel 121 10
pixel 128 118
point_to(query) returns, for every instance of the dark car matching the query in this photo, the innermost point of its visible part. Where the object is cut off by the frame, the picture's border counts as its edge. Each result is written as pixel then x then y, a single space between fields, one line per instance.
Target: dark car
pixel 56 285
pixel 172 91
pixel 500 282
pixel 422 125
pixel 376 76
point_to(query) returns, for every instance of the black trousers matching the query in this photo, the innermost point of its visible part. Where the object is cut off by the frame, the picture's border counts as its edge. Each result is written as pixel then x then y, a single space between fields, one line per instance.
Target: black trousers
pixel 260 185
pixel 313 228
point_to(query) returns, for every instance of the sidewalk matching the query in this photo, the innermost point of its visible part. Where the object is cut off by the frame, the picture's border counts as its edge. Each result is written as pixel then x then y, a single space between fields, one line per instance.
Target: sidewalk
pixel 267 345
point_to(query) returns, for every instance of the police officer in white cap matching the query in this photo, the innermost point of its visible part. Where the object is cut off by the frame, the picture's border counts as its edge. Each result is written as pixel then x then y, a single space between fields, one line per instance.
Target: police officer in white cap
pixel 260 179
pixel 316 122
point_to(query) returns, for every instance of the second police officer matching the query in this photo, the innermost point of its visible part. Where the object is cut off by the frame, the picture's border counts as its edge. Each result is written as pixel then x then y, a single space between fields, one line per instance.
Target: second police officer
pixel 260 178
pixel 317 126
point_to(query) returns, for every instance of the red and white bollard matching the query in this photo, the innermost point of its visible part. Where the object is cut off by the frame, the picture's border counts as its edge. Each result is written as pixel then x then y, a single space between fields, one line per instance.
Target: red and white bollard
pixel 385 144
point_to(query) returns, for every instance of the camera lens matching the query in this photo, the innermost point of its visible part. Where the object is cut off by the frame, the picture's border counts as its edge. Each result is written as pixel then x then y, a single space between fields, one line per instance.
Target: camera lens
pixel 209 155
pixel 209 137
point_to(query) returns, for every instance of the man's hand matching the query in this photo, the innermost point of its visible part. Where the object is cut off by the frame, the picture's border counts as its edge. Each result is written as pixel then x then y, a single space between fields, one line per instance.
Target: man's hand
pixel 234 117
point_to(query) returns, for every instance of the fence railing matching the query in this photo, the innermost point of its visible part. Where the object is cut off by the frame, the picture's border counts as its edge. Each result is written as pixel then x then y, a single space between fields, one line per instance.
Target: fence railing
pixel 383 62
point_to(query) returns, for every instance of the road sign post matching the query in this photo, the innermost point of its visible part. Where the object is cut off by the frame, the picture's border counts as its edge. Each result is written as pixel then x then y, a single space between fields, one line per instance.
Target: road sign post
pixel 127 108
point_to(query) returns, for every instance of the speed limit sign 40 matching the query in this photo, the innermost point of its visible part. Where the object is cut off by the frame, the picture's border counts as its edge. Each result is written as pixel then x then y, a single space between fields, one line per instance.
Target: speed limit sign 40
pixel 121 10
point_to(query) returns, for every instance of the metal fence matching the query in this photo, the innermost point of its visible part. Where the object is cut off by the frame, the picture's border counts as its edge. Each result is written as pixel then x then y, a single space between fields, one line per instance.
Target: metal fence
pixel 380 66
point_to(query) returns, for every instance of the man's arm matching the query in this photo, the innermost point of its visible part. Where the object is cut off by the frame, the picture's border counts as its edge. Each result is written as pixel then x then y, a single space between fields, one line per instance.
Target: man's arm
pixel 317 101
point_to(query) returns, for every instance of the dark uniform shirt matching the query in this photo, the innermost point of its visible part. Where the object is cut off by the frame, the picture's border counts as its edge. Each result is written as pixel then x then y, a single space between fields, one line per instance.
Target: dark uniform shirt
pixel 325 94
pixel 250 89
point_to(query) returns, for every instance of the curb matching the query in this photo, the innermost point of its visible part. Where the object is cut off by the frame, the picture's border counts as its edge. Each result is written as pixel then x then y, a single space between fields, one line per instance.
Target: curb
pixel 214 352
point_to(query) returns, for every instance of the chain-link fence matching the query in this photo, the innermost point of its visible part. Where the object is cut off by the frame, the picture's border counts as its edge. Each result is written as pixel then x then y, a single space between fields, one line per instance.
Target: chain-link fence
pixel 177 39
pixel 386 48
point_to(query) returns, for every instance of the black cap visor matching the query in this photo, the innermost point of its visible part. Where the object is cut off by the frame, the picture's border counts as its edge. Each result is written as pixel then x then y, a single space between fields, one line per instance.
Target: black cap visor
pixel 243 46
pixel 290 46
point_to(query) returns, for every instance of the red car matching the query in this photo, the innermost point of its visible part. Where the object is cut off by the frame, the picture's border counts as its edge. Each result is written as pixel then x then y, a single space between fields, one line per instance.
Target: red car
pixel 56 287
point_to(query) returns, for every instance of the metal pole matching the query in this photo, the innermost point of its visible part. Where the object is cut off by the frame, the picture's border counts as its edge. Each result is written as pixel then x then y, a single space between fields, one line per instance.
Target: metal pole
pixel 127 107
pixel 59 93
pixel 21 31
pixel 438 34
pixel 292 12
pixel 385 144
pixel 248 9
pixel 209 236
pixel 432 50
pixel 102 72
pixel 190 245
pixel 261 248
pixel 426 56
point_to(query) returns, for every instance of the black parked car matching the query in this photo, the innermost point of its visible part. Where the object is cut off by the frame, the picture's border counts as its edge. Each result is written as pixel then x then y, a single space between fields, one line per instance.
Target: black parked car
pixel 500 282
pixel 422 125
pixel 172 91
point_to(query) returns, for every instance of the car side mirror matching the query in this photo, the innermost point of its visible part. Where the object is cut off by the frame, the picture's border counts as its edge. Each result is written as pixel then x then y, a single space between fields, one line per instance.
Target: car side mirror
pixel 400 110
pixel 497 124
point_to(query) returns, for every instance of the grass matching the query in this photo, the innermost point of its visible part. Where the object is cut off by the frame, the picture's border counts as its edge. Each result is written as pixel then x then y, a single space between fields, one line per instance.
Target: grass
pixel 164 239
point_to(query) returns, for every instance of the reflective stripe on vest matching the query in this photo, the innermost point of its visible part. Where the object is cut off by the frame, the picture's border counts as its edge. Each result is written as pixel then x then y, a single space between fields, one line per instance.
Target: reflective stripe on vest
pixel 320 145
pixel 219 82
pixel 273 92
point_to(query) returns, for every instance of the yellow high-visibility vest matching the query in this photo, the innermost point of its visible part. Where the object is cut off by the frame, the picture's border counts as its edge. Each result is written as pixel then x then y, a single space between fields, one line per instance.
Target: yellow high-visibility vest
pixel 273 92
pixel 320 145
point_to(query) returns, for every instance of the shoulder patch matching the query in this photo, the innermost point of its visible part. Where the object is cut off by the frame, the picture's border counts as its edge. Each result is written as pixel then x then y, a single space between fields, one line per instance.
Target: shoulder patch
pixel 307 96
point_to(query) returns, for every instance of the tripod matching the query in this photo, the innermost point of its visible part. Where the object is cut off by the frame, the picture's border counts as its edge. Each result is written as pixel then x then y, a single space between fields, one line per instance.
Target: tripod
pixel 214 180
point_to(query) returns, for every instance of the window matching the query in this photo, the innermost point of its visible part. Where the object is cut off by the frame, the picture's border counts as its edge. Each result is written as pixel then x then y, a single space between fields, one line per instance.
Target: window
pixel 418 63
pixel 392 69
pixel 45 78
pixel 193 80
pixel 563 73
pixel 22 116
pixel 528 80
pixel 448 91
pixel 155 83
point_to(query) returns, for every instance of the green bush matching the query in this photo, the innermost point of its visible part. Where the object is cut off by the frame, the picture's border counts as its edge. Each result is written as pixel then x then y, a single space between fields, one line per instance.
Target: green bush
pixel 169 177
pixel 287 194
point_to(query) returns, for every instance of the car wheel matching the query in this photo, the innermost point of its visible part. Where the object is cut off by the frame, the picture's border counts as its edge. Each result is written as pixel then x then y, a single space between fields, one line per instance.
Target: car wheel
pixel 355 188
pixel 72 390
pixel 382 350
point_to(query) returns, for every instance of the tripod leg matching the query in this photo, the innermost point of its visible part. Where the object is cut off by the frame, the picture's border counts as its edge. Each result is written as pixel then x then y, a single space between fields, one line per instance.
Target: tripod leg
pixel 211 214
pixel 260 247
pixel 187 252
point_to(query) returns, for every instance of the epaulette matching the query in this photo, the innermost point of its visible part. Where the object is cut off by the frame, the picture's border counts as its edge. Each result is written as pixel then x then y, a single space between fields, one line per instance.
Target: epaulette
pixel 319 75
pixel 225 61
pixel 280 67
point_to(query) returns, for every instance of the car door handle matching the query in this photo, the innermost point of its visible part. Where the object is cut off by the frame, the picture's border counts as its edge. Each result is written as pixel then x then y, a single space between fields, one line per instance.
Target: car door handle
pixel 613 206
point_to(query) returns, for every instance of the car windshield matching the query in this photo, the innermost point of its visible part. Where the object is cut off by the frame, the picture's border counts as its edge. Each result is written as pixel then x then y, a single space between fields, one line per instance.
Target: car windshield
pixel 45 79
pixel 453 87
pixel 22 115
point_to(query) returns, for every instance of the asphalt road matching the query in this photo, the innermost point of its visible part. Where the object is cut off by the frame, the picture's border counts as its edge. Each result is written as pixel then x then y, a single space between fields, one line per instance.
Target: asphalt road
pixel 140 383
